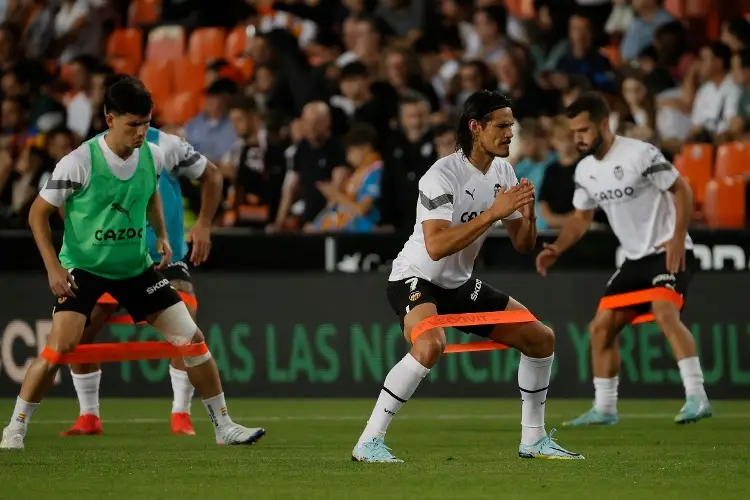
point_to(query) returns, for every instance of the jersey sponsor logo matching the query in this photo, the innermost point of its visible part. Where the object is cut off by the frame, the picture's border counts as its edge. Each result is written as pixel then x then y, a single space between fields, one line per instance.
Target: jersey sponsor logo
pixel 467 216
pixel 666 280
pixel 125 211
pixel 159 285
pixel 614 194
pixel 475 294
pixel 122 234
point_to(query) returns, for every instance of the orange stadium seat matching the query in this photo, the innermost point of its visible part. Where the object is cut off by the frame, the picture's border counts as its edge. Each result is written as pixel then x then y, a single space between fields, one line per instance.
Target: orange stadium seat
pixel 612 53
pixel 521 9
pixel 126 43
pixel 166 43
pixel 245 65
pixel 235 44
pixel 732 159
pixel 188 75
pixel 725 203
pixel 697 167
pixel 157 76
pixel 179 108
pixel 123 66
pixel 144 12
pixel 206 44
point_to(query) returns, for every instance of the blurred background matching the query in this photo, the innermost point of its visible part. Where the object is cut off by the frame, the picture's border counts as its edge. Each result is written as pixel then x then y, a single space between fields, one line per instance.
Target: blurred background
pixel 289 96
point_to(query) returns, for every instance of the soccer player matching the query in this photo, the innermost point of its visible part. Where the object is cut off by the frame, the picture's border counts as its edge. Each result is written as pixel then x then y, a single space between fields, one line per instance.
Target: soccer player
pixel 109 187
pixel 648 206
pixel 461 197
pixel 181 160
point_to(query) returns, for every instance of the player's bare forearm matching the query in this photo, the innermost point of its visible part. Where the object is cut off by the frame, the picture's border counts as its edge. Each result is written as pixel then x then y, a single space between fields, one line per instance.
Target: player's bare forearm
pixel 574 229
pixel 683 198
pixel 442 240
pixel 39 222
pixel 522 234
pixel 212 181
pixel 155 215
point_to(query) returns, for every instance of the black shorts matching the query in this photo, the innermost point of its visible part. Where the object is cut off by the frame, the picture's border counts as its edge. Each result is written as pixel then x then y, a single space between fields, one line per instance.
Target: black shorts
pixel 474 296
pixel 649 272
pixel 142 295
pixel 177 271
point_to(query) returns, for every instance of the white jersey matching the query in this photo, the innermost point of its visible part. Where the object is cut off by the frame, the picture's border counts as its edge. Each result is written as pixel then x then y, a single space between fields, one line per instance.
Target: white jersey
pixel 631 185
pixel 456 191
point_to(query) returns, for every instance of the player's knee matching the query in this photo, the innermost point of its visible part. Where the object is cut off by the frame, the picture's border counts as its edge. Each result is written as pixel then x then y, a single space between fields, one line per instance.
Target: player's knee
pixel 540 342
pixel 62 346
pixel 429 347
pixel 176 325
pixel 600 334
pixel 666 315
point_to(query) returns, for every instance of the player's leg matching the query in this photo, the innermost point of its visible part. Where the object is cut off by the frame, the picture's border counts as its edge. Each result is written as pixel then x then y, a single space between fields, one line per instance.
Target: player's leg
pixel 87 378
pixel 68 321
pixel 413 300
pixel 667 316
pixel 182 389
pixel 149 297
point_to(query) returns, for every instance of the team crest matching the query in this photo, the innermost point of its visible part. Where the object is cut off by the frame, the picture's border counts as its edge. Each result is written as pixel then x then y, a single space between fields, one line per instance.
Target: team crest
pixel 414 296
pixel 619 173
pixel 497 188
pixel 60 300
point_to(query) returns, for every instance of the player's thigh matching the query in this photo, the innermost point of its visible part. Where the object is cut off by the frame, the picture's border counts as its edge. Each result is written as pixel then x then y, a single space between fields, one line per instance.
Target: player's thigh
pixel 70 313
pixel 606 325
pixel 666 311
pixel 474 296
pixel 414 300
pixel 145 295
pixel 97 319
pixel 179 277
pixel 632 276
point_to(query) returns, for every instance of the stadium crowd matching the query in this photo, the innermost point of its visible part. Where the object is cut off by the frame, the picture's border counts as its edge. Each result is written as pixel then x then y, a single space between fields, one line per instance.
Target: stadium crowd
pixel 322 115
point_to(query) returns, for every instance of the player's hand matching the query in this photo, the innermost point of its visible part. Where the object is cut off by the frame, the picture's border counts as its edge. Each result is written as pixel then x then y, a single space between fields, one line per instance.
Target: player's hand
pixel 162 246
pixel 528 211
pixel 61 282
pixel 546 258
pixel 508 201
pixel 200 237
pixel 676 258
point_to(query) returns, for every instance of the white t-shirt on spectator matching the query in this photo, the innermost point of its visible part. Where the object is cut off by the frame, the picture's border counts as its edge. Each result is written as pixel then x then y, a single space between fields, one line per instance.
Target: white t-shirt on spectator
pixel 88 40
pixel 714 106
pixel 73 172
pixel 456 191
pixel 80 112
pixel 631 184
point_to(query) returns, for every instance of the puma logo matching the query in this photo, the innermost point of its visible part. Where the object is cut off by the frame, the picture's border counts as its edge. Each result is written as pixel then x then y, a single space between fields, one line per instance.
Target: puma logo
pixel 119 208
pixel 471 193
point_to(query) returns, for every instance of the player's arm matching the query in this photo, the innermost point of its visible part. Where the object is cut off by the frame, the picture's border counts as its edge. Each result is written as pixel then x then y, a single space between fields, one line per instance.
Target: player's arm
pixel 155 216
pixel 521 225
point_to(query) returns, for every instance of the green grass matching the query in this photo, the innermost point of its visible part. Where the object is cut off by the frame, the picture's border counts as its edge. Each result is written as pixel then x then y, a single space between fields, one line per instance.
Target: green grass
pixel 454 449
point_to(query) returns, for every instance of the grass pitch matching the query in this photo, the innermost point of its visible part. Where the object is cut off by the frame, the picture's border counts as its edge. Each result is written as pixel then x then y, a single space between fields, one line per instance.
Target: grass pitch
pixel 454 449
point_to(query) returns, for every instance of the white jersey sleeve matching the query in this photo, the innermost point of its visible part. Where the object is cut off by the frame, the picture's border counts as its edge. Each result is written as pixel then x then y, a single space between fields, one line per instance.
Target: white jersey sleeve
pixel 582 199
pixel 181 158
pixel 657 169
pixel 160 161
pixel 71 174
pixel 436 195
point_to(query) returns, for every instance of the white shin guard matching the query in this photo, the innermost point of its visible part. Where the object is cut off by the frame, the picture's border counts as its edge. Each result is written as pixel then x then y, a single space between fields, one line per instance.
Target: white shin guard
pixel 178 327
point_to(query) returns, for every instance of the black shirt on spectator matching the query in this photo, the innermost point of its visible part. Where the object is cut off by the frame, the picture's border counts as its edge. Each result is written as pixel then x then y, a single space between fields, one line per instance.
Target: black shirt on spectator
pixel 558 187
pixel 315 164
pixel 258 185
pixel 594 66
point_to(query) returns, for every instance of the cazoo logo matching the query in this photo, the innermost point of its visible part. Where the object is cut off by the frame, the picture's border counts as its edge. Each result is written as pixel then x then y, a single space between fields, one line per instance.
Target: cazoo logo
pixel 711 258
pixel 467 216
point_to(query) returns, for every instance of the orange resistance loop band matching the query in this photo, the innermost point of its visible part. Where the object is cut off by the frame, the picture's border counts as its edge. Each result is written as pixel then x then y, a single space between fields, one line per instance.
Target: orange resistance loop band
pixel 505 317
pixel 124 319
pixel 125 351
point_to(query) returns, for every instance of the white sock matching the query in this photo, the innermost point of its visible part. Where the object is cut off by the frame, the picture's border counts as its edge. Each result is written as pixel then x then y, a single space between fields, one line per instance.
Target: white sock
pixel 399 385
pixel 22 414
pixel 533 381
pixel 605 394
pixel 692 377
pixel 182 389
pixel 87 389
pixel 217 410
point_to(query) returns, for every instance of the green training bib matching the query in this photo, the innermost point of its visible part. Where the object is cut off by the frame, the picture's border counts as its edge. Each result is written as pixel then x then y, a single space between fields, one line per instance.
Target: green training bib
pixel 105 222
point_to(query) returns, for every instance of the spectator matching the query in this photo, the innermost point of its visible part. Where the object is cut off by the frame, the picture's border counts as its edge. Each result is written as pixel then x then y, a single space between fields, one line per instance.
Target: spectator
pixel 575 86
pixel 635 112
pixel 57 144
pixel 735 34
pixel 673 49
pixel 556 192
pixel 319 157
pixel 96 94
pixel 16 132
pixel 716 101
pixel 211 132
pixel 490 23
pixel 536 155
pixel 409 153
pixel 640 34
pixel 405 18
pixel 739 125
pixel 473 76
pixel 79 106
pixel 78 30
pixel 355 209
pixel 257 189
pixel 369 42
pixel 358 101
pixel 583 58
pixel 10 54
pixel 656 77
pixel 549 32
pixel 435 70
pixel 597 12
pixel 456 17
pixel 529 101
pixel 402 71
pixel 444 138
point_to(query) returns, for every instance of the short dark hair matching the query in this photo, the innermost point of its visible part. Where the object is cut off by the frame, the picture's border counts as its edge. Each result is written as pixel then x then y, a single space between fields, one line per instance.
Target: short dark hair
pixel 496 14
pixel 478 107
pixel 442 129
pixel 59 130
pixel 222 86
pixel 722 52
pixel 243 103
pixel 361 134
pixel 354 69
pixel 126 94
pixel 412 97
pixel 592 103
pixel 740 27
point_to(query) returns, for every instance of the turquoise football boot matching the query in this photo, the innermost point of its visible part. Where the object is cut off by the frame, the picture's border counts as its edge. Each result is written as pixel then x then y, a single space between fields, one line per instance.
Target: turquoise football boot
pixel 546 448
pixel 694 409
pixel 374 450
pixel 593 417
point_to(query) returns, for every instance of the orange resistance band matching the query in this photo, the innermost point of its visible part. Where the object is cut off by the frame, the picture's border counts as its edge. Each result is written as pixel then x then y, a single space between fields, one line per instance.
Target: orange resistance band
pixel 123 351
pixel 506 317
pixel 124 319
